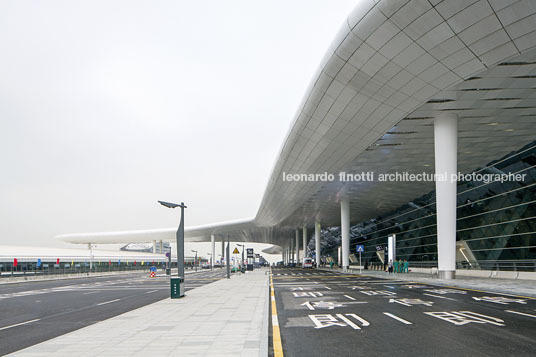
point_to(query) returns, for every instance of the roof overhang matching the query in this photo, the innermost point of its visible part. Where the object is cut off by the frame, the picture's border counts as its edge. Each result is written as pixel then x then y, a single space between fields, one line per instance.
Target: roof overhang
pixel 392 68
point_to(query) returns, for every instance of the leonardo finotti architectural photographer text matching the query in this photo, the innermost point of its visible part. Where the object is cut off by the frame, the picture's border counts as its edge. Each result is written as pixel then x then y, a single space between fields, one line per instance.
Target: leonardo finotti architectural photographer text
pixel 402 177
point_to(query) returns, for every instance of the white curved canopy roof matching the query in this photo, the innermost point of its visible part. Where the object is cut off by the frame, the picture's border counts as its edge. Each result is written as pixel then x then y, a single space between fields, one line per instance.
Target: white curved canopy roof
pixel 392 68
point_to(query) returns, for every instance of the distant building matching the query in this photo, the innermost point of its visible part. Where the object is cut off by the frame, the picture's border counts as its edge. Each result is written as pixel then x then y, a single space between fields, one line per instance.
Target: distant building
pixel 146 247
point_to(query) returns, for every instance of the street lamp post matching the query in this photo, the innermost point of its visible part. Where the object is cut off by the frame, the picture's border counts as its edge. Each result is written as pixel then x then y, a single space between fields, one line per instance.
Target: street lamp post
pixel 195 261
pixel 180 245
pixel 242 263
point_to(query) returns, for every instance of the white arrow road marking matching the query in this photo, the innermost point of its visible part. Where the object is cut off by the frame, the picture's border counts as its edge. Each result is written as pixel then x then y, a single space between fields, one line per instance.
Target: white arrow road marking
pixel 398 302
pixel 440 297
pixel 398 318
pixel 308 304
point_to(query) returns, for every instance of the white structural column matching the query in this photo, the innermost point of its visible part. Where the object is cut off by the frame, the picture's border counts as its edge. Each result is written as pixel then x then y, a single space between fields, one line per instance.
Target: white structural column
pixel 154 246
pixel 291 251
pixel 345 233
pixel 317 243
pixel 222 251
pixel 212 250
pixel 446 162
pixel 304 241
pixel 297 246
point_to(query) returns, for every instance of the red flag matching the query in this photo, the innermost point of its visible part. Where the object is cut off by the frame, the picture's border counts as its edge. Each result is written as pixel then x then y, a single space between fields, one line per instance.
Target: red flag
pixel 15 262
pixel 58 261
pixel 110 262
pixel 134 262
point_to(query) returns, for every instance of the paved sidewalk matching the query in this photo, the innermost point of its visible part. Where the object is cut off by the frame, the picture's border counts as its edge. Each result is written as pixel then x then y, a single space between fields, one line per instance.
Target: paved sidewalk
pixel 504 286
pixel 226 318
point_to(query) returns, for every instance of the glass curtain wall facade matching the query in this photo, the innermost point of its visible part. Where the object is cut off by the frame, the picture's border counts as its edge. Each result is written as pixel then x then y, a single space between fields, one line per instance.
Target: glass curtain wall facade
pixel 496 223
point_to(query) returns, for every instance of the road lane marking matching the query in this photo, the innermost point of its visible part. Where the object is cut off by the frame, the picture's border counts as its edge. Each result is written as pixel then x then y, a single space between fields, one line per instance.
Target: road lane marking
pixel 349 297
pixel 398 318
pixel 152 291
pixel 440 297
pixel 492 292
pixel 91 292
pixel 276 333
pixel 520 313
pixel 108 302
pixel 19 324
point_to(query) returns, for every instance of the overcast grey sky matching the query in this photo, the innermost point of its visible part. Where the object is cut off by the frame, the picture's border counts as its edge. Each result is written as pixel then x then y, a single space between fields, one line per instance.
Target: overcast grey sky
pixel 108 106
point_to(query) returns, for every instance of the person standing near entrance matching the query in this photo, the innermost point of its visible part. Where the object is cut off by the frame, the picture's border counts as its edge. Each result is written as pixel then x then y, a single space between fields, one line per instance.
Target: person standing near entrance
pixel 395 264
pixel 390 266
pixel 406 266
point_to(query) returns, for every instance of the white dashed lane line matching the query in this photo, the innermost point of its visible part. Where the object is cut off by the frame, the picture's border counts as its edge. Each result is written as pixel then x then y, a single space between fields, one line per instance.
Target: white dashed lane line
pixel 19 324
pixel 398 318
pixel 108 302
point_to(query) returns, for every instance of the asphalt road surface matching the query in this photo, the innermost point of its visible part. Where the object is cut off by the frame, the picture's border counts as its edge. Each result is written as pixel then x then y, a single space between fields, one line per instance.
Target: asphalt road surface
pixel 35 312
pixel 324 313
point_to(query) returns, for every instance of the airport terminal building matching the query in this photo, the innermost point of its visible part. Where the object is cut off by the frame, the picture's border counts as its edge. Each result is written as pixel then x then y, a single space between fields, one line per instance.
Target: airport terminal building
pixel 496 226
pixel 406 88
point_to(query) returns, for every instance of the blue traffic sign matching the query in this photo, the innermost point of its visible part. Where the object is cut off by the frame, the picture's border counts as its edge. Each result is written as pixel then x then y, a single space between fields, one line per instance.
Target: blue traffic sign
pixel 360 248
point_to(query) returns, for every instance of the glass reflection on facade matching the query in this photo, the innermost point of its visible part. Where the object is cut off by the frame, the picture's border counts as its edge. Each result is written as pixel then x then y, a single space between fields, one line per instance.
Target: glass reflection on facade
pixel 496 223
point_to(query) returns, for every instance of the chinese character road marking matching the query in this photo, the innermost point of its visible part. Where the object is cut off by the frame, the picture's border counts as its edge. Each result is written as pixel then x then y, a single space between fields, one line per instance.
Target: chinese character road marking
pixel 330 305
pixel 308 294
pixel 415 286
pixel 499 299
pixel 359 287
pixel 446 291
pixel 294 289
pixel 328 320
pixel 398 318
pixel 378 292
pixel 410 302
pixel 459 318
pixel 349 297
pixel 440 297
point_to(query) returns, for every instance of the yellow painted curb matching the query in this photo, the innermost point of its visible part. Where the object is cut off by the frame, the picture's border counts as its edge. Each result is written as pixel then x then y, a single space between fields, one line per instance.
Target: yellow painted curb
pixel 276 334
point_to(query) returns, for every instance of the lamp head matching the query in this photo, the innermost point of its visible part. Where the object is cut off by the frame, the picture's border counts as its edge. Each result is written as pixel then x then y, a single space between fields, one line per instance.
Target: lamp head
pixel 171 205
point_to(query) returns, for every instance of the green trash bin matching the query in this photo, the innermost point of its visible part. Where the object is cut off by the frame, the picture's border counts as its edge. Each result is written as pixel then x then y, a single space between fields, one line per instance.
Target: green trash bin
pixel 177 288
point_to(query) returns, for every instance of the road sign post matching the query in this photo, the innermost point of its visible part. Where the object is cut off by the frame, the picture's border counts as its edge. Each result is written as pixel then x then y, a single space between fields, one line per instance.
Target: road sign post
pixel 360 249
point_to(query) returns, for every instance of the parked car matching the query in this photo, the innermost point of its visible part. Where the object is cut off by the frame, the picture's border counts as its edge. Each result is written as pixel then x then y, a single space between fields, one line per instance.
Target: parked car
pixel 308 263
